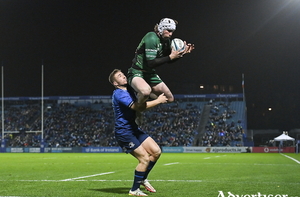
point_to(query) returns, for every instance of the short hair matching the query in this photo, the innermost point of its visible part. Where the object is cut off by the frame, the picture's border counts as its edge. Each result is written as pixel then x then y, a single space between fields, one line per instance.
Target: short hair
pixel 111 77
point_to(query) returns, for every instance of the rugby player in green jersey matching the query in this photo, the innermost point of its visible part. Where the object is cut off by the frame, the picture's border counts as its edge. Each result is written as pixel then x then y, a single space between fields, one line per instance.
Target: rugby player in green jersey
pixel 154 50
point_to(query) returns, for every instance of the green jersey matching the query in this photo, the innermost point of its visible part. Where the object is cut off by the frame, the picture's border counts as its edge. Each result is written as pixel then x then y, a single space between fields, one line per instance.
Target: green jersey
pixel 150 47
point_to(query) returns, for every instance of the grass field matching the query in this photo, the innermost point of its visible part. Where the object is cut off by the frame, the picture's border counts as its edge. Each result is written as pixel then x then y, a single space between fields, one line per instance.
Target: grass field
pixel 175 175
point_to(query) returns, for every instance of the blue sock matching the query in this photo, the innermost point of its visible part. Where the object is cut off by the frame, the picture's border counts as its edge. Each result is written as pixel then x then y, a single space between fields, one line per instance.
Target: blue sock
pixel 138 177
pixel 149 168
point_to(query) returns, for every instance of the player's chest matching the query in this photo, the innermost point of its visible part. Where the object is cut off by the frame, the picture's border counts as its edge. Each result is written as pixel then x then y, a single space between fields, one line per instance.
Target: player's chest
pixel 162 48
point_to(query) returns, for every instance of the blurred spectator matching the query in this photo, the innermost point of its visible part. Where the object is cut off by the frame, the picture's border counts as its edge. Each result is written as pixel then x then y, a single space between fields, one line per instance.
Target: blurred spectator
pixel 71 125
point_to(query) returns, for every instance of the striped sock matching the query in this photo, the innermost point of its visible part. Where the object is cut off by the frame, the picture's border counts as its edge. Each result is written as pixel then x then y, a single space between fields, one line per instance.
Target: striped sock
pixel 138 177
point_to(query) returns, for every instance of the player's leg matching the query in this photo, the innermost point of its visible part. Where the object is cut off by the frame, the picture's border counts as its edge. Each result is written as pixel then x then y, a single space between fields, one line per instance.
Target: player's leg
pixel 137 80
pixel 143 157
pixel 131 144
pixel 154 151
pixel 143 91
pixel 142 88
pixel 152 148
pixel 162 88
pixel 158 87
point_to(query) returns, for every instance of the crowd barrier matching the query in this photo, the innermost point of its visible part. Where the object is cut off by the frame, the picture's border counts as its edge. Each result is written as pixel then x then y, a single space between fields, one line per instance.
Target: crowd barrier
pixel 63 150
pixel 179 149
pixel 273 149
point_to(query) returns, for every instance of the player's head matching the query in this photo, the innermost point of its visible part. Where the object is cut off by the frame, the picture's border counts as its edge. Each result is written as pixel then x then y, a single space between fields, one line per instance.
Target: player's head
pixel 117 78
pixel 165 24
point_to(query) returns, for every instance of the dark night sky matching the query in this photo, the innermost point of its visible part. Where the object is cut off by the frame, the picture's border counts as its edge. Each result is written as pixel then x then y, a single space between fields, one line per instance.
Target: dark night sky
pixel 80 42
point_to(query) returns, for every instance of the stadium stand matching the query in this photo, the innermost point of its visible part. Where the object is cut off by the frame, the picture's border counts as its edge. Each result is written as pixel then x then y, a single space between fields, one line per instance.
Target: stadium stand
pixel 75 124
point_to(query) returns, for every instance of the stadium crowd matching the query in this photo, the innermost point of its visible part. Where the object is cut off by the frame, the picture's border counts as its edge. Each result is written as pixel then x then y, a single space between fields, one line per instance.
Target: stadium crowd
pixel 73 125
pixel 221 129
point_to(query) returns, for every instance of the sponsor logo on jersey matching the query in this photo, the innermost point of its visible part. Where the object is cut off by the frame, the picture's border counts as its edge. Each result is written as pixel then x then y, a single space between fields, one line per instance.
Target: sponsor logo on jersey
pixel 131 144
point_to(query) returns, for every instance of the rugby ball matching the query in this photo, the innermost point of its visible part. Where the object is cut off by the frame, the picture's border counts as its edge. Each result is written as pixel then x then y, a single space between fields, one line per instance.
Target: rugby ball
pixel 177 44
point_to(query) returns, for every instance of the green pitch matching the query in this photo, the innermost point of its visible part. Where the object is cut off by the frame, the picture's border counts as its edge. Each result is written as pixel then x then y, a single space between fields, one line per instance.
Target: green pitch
pixel 175 175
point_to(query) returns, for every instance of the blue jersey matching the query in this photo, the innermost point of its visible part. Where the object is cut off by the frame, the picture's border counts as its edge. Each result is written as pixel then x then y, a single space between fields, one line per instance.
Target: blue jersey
pixel 122 100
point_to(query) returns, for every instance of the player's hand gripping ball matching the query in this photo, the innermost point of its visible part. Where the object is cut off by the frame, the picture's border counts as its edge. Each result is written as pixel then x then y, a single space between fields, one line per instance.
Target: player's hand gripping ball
pixel 177 44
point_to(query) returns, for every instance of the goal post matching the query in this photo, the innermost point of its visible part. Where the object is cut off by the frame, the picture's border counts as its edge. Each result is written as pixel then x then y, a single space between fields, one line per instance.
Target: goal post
pixel 42 150
pixel 3 132
pixel 2 149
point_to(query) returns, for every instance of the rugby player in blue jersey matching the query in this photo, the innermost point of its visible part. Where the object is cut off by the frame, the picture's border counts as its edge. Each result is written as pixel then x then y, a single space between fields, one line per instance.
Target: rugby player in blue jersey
pixel 129 136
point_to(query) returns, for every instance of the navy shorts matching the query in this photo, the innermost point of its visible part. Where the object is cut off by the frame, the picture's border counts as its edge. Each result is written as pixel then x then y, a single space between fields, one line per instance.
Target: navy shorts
pixel 131 141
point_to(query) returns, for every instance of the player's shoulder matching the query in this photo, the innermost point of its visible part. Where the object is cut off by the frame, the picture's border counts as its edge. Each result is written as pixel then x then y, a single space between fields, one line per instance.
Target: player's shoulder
pixel 151 33
pixel 118 93
pixel 151 36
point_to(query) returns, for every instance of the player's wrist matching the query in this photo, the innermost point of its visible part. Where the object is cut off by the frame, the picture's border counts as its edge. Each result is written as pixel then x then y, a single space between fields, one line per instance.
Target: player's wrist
pixel 172 57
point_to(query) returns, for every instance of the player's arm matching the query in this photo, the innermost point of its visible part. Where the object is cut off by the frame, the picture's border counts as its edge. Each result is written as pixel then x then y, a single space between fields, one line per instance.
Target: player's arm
pixel 174 56
pixel 160 99
pixel 149 104
pixel 158 61
pixel 151 45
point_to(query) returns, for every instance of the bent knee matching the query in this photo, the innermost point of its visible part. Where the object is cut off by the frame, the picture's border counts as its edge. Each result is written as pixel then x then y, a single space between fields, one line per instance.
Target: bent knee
pixel 145 91
pixel 145 159
pixel 170 99
pixel 156 154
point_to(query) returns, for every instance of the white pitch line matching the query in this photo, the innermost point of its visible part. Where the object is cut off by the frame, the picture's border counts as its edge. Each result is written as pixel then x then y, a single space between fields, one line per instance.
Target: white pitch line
pixel 167 164
pixel 186 181
pixel 295 160
pixel 178 180
pixel 214 156
pixel 104 180
pixel 82 177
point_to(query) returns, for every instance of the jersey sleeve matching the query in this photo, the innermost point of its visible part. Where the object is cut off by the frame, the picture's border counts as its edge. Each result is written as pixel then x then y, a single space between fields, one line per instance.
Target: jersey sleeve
pixel 123 98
